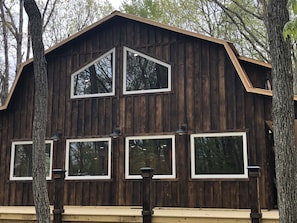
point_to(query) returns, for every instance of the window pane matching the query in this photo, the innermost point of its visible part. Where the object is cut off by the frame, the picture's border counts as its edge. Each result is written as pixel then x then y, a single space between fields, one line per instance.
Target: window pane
pixel 219 155
pixel 96 78
pixel 143 73
pixel 155 153
pixel 23 160
pixel 88 158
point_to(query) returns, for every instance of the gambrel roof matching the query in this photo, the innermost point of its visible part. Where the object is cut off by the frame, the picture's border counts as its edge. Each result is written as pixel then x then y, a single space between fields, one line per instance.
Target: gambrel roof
pixel 235 58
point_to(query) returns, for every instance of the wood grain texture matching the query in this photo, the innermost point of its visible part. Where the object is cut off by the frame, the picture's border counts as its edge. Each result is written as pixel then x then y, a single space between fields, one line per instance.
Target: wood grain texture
pixel 207 94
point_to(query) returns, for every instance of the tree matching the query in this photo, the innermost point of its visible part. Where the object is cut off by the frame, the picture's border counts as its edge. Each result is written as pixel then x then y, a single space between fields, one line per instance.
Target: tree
pixel 13 36
pixel 283 110
pixel 10 29
pixel 243 22
pixel 16 40
pixel 40 192
pixel 239 21
pixel 75 15
pixel 4 73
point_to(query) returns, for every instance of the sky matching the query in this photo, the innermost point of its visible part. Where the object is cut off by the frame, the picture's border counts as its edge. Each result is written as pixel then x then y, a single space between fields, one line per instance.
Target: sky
pixel 116 3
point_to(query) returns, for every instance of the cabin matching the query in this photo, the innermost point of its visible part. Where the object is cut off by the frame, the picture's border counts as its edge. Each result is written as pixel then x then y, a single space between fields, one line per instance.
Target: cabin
pixel 127 93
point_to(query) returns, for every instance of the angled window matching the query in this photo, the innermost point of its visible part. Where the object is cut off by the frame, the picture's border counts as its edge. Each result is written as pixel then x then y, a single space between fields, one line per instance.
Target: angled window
pixel 144 74
pixel 219 155
pixel 157 152
pixel 21 160
pixel 95 79
pixel 88 158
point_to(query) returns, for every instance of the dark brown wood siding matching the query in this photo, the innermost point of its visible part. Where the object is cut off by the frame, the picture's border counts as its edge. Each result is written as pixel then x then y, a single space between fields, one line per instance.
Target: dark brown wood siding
pixel 206 94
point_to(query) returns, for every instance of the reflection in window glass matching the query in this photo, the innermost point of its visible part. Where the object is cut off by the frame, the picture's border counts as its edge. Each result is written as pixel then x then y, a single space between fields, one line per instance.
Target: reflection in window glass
pixel 219 155
pixel 88 158
pixel 95 79
pixel 155 152
pixel 21 164
pixel 145 74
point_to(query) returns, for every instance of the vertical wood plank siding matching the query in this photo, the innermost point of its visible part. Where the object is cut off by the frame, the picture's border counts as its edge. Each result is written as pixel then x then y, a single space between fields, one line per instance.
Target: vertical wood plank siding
pixel 207 94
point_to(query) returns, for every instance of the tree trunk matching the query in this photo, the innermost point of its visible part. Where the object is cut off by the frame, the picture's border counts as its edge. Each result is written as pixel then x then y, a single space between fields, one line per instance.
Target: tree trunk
pixel 4 77
pixel 19 36
pixel 283 111
pixel 39 183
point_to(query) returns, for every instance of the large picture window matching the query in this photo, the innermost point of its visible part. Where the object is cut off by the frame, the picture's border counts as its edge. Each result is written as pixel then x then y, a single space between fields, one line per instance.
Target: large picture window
pixel 144 74
pixel 88 158
pixel 219 155
pixel 96 79
pixel 157 152
pixel 21 160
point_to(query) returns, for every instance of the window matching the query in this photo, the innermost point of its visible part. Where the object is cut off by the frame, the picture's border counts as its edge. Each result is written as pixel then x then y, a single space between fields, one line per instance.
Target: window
pixel 144 74
pixel 157 152
pixel 96 79
pixel 220 155
pixel 21 160
pixel 88 158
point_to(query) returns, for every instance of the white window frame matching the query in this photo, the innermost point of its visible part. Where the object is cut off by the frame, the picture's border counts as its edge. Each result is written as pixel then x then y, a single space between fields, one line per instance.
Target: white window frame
pixel 148 58
pixel 11 175
pixel 112 93
pixel 86 177
pixel 173 174
pixel 220 176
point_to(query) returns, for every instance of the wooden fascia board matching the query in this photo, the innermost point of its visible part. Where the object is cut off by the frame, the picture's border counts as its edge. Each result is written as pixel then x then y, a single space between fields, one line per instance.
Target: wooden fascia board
pixel 137 19
pixel 253 61
pixel 113 14
pixel 240 71
pixel 231 51
pixel 170 28
pixel 14 84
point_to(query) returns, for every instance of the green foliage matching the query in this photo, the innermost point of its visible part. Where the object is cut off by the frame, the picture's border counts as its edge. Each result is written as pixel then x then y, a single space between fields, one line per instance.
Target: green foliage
pixel 290 29
pixel 163 10
pixel 293 5
pixel 239 21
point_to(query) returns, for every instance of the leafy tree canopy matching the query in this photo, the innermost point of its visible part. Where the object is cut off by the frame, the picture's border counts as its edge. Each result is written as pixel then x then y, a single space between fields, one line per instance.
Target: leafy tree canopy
pixel 290 28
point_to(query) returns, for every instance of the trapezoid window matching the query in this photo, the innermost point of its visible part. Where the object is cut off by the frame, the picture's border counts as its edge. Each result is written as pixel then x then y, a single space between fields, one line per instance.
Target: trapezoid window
pixel 95 79
pixel 144 74
pixel 219 155
pixel 21 160
pixel 88 158
pixel 157 152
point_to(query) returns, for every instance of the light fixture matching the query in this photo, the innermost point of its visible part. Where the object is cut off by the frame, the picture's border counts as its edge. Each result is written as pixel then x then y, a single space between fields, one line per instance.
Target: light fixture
pixel 182 130
pixel 56 137
pixel 116 133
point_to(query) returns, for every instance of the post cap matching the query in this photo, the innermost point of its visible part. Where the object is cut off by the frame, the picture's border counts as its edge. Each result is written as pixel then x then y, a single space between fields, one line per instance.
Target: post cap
pixel 254 170
pixel 147 171
pixel 59 173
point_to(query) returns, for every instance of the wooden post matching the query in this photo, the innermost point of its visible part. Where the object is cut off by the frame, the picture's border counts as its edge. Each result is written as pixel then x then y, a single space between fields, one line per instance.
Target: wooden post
pixel 254 174
pixel 147 208
pixel 59 176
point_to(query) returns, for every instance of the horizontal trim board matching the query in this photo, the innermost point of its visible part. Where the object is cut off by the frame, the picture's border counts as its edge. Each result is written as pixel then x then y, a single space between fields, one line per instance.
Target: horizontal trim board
pixel 133 214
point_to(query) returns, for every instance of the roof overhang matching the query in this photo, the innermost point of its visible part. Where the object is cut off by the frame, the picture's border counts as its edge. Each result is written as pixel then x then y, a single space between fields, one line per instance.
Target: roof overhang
pixel 229 47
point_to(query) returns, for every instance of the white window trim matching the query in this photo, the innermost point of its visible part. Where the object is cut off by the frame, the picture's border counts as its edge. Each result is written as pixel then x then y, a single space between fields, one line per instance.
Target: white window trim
pixel 112 93
pixel 11 177
pixel 220 176
pixel 151 59
pixel 108 176
pixel 128 176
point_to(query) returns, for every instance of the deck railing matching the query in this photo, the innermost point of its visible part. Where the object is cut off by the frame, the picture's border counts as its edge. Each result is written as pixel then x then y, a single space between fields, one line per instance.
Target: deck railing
pixel 147 202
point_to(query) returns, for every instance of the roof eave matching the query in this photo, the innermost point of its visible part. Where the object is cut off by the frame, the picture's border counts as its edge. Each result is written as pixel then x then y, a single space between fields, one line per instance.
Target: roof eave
pixel 229 47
